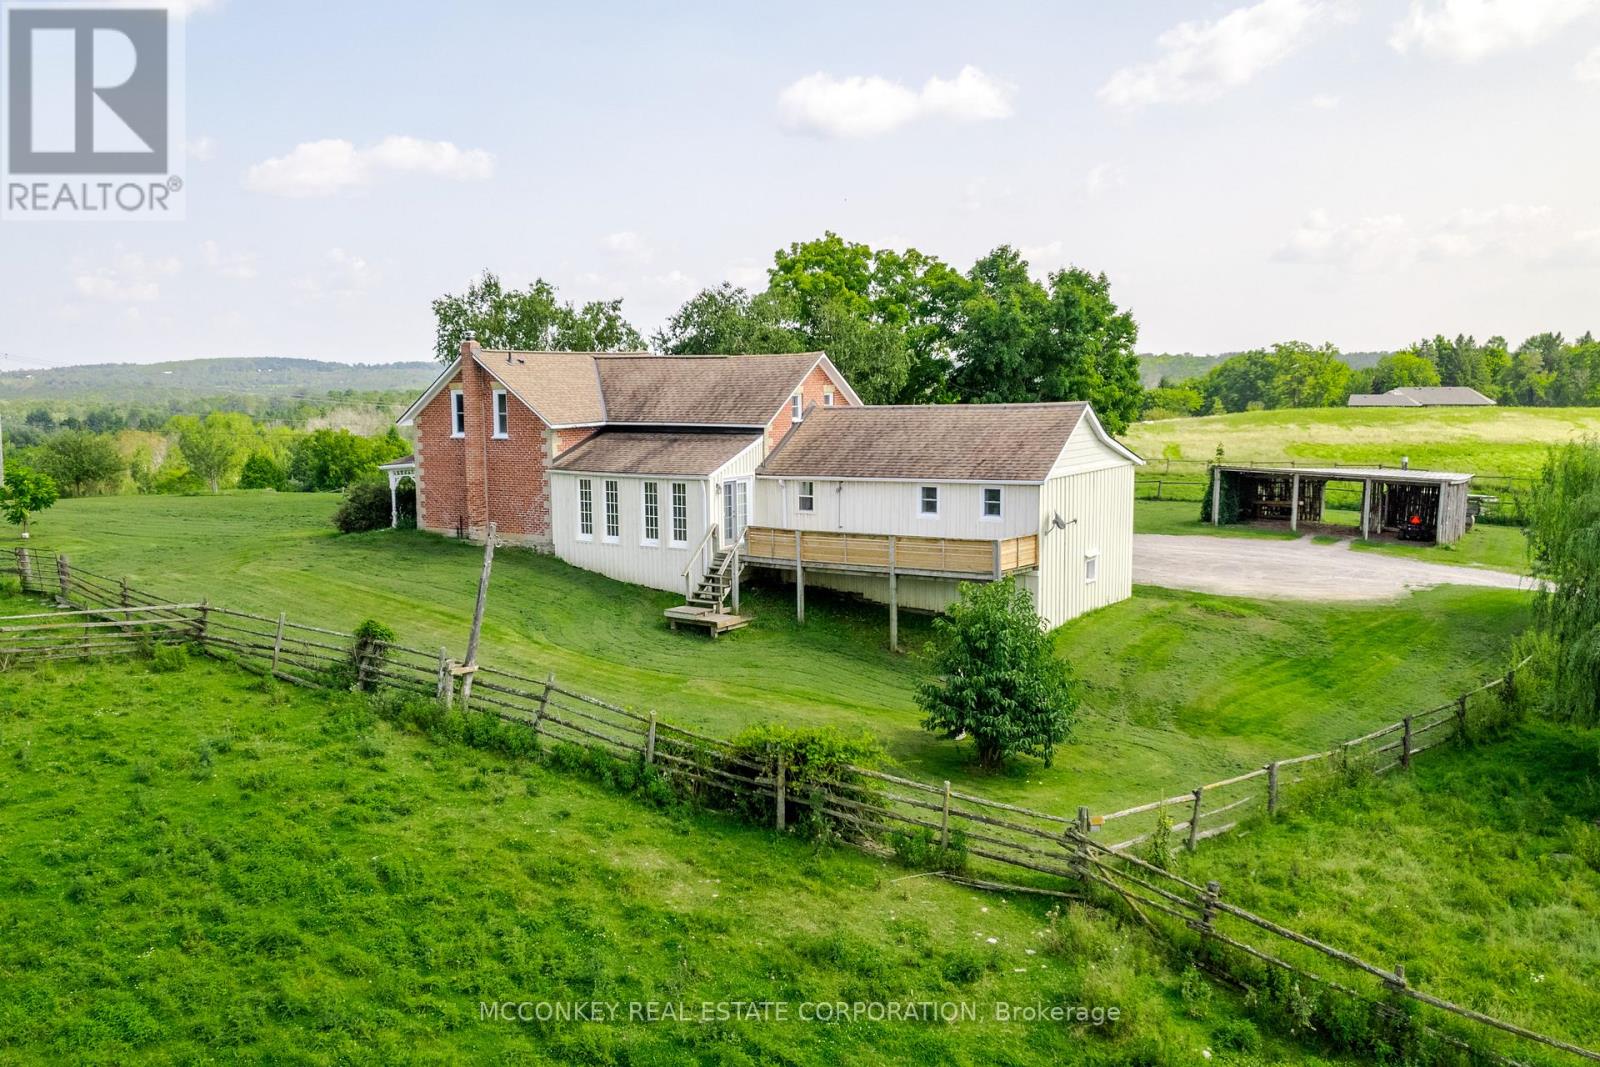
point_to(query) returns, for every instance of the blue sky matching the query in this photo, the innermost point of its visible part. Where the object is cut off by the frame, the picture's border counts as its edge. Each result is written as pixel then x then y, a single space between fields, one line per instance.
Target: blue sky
pixel 1356 172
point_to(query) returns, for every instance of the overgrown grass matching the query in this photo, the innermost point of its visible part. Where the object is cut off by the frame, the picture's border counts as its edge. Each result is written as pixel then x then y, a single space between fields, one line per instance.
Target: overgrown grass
pixel 1180 688
pixel 200 865
pixel 1478 871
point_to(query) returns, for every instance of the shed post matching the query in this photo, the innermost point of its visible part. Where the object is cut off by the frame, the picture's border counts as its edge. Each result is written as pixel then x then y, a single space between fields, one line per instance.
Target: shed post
pixel 1294 502
pixel 799 583
pixel 894 602
pixel 1216 496
pixel 1366 505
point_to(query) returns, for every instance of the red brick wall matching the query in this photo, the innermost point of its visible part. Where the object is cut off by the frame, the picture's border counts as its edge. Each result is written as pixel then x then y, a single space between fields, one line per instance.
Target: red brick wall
pixel 441 474
pixel 811 392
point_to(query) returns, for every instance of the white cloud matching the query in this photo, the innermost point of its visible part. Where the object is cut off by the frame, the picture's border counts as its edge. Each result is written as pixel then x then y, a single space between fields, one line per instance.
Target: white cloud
pixel 236 266
pixel 131 279
pixel 1201 60
pixel 1466 30
pixel 628 245
pixel 1324 101
pixel 1588 68
pixel 1102 178
pixel 1388 241
pixel 860 106
pixel 201 149
pixel 327 167
pixel 342 274
pixel 1045 257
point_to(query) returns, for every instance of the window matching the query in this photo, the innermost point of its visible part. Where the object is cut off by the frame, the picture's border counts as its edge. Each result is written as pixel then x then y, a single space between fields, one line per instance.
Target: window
pixel 827 398
pixel 585 510
pixel 808 496
pixel 930 500
pixel 797 409
pixel 502 414
pixel 680 513
pixel 652 513
pixel 991 502
pixel 1091 565
pixel 613 514
pixel 458 413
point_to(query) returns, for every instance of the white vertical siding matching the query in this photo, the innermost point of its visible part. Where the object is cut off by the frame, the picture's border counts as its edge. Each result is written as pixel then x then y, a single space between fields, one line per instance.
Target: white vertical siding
pixel 884 507
pixel 1097 507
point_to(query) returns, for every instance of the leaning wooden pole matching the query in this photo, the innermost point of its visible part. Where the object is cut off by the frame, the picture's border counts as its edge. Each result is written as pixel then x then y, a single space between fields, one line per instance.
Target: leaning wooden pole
pixel 477 616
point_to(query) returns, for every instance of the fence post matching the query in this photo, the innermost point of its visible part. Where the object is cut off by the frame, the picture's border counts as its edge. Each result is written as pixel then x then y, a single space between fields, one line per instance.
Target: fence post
pixel 446 687
pixel 201 621
pixel 650 742
pixel 24 568
pixel 277 640
pixel 64 580
pixel 1405 744
pixel 1208 908
pixel 1083 819
pixel 1272 788
pixel 944 818
pixel 544 699
pixel 1508 695
pixel 1461 717
pixel 782 814
pixel 1194 819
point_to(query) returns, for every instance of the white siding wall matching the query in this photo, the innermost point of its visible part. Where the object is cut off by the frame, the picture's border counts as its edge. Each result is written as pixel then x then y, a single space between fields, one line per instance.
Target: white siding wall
pixel 1101 502
pixel 893 508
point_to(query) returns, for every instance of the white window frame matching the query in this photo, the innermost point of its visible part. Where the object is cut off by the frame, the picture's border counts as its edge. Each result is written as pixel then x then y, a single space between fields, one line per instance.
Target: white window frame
pixel 650 513
pixel 1091 566
pixel 983 503
pixel 458 413
pixel 502 413
pixel 827 398
pixel 585 509
pixel 797 408
pixel 805 497
pixel 680 511
pixel 922 501
pixel 611 491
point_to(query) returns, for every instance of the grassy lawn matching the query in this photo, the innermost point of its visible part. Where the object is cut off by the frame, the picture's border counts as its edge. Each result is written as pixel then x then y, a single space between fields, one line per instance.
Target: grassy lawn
pixel 1479 871
pixel 1509 441
pixel 201 865
pixel 1179 688
pixel 1502 548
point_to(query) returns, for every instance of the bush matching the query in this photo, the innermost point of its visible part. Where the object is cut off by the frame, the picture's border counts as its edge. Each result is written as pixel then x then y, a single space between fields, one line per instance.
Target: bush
pixel 365 507
pixel 369 653
pixel 261 471
pixel 818 760
pixel 167 659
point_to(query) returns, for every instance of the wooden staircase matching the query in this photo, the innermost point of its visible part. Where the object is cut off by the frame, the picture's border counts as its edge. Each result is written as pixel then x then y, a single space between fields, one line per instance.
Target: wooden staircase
pixel 717 586
pixel 706 603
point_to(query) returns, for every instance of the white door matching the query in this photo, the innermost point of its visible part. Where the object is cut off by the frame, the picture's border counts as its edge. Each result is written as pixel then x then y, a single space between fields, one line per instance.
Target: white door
pixel 735 509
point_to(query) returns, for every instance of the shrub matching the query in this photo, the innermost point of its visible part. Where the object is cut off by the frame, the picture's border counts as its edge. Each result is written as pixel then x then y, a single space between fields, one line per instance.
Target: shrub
pixel 818 761
pixel 261 471
pixel 920 850
pixel 365 507
pixel 369 653
pixel 167 659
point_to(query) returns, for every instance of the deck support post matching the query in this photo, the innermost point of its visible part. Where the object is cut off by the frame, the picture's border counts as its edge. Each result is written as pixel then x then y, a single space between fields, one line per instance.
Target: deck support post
pixel 799 583
pixel 1366 505
pixel 1294 503
pixel 894 602
pixel 1216 496
pixel 735 578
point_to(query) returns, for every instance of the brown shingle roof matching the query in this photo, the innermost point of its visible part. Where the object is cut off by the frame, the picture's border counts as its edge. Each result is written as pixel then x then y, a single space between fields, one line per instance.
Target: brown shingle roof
pixel 700 390
pixel 940 442
pixel 640 452
pixel 561 387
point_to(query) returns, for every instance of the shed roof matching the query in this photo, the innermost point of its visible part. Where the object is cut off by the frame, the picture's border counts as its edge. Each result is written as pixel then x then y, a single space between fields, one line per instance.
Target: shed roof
pixel 1404 475
pixel 1422 396
pixel 941 442
pixel 654 452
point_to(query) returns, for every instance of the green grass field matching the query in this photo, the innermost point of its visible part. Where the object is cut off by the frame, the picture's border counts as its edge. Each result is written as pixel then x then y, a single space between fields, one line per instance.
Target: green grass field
pixel 1179 688
pixel 1506 441
pixel 200 866
pixel 1502 548
pixel 1479 871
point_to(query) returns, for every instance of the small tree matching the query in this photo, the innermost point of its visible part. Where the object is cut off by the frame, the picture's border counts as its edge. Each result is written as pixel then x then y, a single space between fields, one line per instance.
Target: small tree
pixel 261 471
pixel 1564 547
pixel 1000 681
pixel 25 493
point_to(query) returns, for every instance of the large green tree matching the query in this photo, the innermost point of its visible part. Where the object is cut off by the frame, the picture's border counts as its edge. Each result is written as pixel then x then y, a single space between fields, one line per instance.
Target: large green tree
pixel 534 319
pixel 81 462
pixel 213 446
pixel 1564 544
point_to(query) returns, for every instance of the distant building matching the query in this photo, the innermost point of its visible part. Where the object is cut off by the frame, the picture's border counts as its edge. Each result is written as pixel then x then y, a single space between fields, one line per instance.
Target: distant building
pixel 1423 396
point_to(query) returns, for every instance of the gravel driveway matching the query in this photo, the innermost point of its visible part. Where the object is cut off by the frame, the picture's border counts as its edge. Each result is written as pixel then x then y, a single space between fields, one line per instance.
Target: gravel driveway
pixel 1296 570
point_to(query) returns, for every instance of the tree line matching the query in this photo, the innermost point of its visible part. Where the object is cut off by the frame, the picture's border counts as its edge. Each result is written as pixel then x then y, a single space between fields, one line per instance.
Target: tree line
pixel 903 326
pixel 1544 371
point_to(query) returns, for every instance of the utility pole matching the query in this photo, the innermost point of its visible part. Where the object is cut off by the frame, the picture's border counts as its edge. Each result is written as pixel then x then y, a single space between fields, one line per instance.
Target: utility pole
pixel 471 666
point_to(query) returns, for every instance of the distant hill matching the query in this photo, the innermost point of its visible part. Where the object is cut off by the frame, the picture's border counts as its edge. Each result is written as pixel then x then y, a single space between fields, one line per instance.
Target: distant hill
pixel 1181 366
pixel 160 383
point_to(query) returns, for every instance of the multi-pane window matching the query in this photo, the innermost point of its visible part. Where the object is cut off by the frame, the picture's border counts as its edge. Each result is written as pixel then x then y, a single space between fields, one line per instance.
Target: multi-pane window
pixel 680 513
pixel 585 509
pixel 652 513
pixel 827 398
pixel 502 414
pixel 991 502
pixel 613 511
pixel 458 413
pixel 930 500
pixel 808 496
pixel 797 407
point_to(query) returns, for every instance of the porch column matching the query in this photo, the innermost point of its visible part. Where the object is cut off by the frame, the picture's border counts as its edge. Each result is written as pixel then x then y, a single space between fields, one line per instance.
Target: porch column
pixel 394 502
pixel 894 602
pixel 1294 503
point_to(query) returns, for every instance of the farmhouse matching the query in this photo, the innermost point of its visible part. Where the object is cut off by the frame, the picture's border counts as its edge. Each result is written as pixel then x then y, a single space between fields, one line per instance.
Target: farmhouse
pixel 679 472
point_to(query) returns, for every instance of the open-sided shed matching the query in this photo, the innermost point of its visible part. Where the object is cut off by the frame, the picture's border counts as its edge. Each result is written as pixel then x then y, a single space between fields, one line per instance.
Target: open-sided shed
pixel 1427 506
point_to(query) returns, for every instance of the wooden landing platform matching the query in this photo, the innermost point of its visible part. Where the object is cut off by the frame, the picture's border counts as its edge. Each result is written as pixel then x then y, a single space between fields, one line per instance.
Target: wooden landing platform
pixel 715 622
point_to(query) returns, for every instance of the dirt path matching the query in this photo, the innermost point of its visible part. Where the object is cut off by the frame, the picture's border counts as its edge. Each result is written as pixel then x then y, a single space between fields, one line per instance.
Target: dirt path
pixel 1295 570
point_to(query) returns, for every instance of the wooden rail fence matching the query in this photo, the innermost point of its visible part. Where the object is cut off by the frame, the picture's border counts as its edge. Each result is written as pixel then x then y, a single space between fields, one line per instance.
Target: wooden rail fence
pixel 869 807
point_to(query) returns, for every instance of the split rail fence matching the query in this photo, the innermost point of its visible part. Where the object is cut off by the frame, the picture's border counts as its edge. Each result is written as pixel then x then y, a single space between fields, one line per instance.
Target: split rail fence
pixel 104 616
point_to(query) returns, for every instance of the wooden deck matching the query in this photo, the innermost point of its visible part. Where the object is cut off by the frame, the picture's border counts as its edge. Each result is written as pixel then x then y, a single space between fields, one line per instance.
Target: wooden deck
pixel 715 622
pixel 939 557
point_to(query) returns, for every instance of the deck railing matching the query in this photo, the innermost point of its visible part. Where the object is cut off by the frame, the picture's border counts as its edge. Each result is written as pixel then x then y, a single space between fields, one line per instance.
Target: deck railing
pixel 880 553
